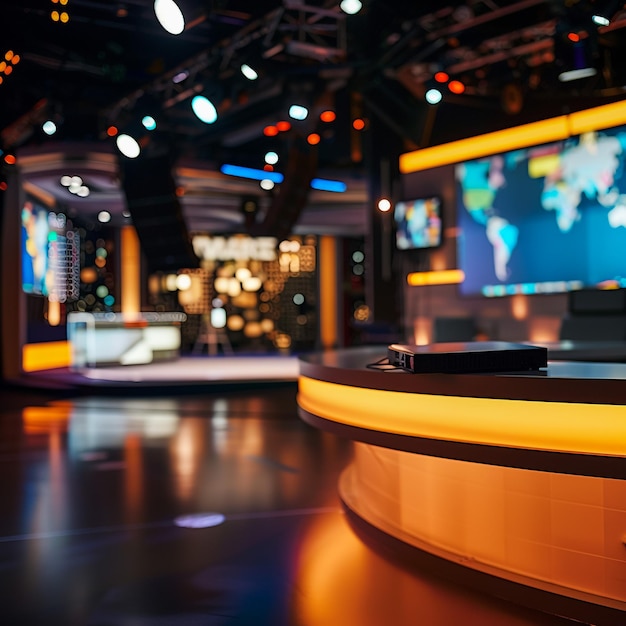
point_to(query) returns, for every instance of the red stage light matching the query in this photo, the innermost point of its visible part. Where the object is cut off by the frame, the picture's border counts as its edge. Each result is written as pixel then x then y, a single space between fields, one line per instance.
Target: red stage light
pixel 441 77
pixel 456 86
pixel 112 131
pixel 270 131
pixel 283 126
pixel 573 37
pixel 10 159
pixel 358 124
pixel 313 139
pixel 268 168
pixel 328 116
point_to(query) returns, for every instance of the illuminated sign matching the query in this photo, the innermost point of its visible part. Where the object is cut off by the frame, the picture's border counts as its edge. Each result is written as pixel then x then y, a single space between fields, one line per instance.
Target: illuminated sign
pixel 235 248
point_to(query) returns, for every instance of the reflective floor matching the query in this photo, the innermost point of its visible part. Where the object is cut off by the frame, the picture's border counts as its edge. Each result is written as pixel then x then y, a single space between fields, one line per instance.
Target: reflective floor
pixel 216 509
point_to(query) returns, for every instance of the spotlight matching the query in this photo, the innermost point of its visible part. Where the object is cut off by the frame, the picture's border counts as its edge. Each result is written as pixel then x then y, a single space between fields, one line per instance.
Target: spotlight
pixel 180 77
pixel 170 16
pixel 271 158
pixel 384 205
pixel 204 109
pixel 456 86
pixel 351 7
pixel 267 184
pixel 149 123
pixel 249 72
pixel 298 112
pixel 128 146
pixel 104 217
pixel 49 127
pixel 433 96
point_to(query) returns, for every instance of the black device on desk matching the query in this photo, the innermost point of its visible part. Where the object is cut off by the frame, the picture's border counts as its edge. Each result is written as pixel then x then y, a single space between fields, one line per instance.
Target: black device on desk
pixel 467 356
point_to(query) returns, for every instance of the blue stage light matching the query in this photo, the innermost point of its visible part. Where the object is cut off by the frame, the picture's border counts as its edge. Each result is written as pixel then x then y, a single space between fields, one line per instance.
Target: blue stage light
pixel 328 185
pixel 249 172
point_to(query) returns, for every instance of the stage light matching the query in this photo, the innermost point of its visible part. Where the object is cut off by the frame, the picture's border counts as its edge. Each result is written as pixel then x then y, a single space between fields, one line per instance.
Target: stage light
pixel 180 77
pixel 441 77
pixel 149 123
pixel 384 205
pixel 298 112
pixel 249 172
pixel 573 37
pixel 433 96
pixel 10 159
pixel 328 116
pixel 456 86
pixel 170 16
pixel 267 184
pixel 322 184
pixel 49 127
pixel 270 131
pixel 351 7
pixel 600 20
pixel 112 131
pixel 358 124
pixel 128 146
pixel 249 72
pixel 283 126
pixel 268 168
pixel 313 139
pixel 576 63
pixel 204 109
pixel 104 217
pixel 271 158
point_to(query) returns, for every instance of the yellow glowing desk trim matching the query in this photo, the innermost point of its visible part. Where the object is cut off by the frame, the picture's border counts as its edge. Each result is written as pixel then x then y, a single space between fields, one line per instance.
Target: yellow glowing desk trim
pixel 554 426
pixel 544 131
pixel 45 356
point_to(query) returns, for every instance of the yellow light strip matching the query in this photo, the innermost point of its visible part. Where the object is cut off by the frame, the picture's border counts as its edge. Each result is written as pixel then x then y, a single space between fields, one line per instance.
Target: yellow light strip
pixel 442 277
pixel 131 281
pixel 328 292
pixel 598 118
pixel 553 129
pixel 45 356
pixel 554 426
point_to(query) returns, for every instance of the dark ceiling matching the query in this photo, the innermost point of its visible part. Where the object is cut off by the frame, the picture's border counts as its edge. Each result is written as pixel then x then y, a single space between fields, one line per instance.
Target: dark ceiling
pixel 113 62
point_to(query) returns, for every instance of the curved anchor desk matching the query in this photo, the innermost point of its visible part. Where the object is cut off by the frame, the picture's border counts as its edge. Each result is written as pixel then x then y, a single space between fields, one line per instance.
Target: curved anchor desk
pixel 514 482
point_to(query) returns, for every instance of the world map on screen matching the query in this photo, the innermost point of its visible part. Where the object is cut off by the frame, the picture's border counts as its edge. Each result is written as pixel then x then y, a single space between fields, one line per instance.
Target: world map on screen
pixel 505 200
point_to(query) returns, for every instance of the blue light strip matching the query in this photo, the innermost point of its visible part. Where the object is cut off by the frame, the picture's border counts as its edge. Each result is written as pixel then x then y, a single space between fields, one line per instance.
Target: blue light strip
pixel 328 185
pixel 248 172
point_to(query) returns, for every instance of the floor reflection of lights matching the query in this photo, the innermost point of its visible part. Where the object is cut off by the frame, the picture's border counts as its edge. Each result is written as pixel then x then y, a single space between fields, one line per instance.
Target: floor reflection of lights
pixel 340 580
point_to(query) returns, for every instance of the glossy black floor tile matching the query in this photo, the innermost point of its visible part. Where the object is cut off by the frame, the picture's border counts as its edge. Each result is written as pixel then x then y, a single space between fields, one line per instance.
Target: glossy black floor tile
pixel 92 489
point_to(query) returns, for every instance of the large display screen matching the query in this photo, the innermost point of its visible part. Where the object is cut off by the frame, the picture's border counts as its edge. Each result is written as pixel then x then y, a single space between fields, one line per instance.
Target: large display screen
pixel 49 253
pixel 418 223
pixel 544 219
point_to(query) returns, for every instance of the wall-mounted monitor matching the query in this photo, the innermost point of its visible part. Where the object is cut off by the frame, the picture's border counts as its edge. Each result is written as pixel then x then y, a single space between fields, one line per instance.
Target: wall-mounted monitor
pixel 544 219
pixel 418 223
pixel 50 261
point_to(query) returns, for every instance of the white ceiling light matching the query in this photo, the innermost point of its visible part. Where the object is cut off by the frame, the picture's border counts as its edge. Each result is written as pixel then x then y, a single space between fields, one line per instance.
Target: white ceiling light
pixel 249 72
pixel 49 127
pixel 298 112
pixel 170 16
pixel 104 217
pixel 351 7
pixel 433 96
pixel 204 109
pixel 271 158
pixel 128 146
